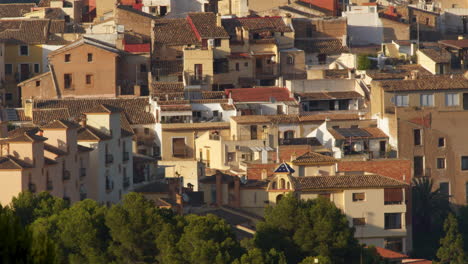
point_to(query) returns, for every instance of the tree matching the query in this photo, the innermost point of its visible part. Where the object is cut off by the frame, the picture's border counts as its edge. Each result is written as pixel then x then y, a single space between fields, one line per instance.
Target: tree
pixel 306 229
pixel 208 239
pixel 29 207
pixel 134 226
pixel 429 209
pixel 14 241
pixel 364 63
pixel 463 225
pixel 451 246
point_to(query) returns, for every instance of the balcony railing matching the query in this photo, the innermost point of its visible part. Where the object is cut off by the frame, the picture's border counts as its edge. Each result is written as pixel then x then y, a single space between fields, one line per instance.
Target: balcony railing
pixel 125 156
pixel 49 186
pixel 32 187
pixel 109 158
pixel 66 175
pixel 82 172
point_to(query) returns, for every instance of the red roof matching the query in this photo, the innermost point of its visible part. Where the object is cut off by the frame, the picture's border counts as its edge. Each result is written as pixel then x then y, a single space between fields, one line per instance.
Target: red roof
pixel 416 261
pixel 259 94
pixel 389 254
pixel 137 47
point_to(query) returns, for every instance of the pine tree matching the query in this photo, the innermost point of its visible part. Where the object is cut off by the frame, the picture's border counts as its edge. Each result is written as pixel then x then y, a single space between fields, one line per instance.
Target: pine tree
pixel 451 246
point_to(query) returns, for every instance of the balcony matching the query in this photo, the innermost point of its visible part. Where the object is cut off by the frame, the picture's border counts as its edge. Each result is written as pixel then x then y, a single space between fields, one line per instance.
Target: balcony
pixel 32 187
pixel 66 175
pixel 125 156
pixel 82 172
pixel 49 186
pixel 198 79
pixel 109 159
pixel 126 182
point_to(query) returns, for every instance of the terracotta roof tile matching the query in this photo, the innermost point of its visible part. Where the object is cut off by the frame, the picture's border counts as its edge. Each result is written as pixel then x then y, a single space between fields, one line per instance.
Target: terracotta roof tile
pixel 65 124
pixel 437 82
pixel 251 119
pixel 161 87
pixel 400 72
pixel 259 94
pixel 256 24
pixel 173 31
pixel 458 44
pixel 30 31
pixel 176 108
pixel 311 158
pixel 195 126
pixel 389 254
pixel 205 25
pixel 15 10
pixel 326 46
pixel 346 182
pixel 437 55
pixel 12 163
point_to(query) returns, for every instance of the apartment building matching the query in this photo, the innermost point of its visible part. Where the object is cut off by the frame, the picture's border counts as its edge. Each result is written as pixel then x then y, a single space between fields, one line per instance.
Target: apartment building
pixel 423 118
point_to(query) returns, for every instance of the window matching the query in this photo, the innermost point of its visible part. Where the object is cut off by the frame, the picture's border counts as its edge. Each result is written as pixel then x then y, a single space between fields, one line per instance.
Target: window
pixel 418 163
pixel 451 99
pixel 24 50
pixel 36 68
pixel 393 196
pixel 253 132
pixel 359 197
pixel 246 64
pixel 217 42
pixel 441 163
pixel 359 221
pixel 441 142
pixel 89 79
pixel 427 99
pixel 464 163
pixel 67 57
pixel 290 60
pixel 392 220
pixel 237 67
pixel 427 21
pixel 178 147
pixel 394 244
pixel 417 137
pixel 215 113
pixel 38 83
pixel 143 68
pixel 90 57
pixel 444 188
pixel 8 69
pixel 401 100
pixel 68 81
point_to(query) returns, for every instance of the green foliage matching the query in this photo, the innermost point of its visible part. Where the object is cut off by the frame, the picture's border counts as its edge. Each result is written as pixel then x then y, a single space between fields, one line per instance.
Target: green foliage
pixel 307 228
pixel 463 225
pixel 451 246
pixel 364 63
pixel 429 209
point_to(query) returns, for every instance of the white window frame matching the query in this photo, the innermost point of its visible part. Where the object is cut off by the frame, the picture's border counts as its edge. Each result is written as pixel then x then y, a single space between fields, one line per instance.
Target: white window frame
pixel 426 100
pixel 452 99
pixel 401 100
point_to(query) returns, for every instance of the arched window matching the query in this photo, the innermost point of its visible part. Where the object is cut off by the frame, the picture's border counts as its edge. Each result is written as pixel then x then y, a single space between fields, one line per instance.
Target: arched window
pixel 290 60
pixel 278 198
pixel 282 184
pixel 273 185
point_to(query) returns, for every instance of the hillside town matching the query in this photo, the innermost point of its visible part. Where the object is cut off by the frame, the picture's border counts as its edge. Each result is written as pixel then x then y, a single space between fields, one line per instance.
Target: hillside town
pixel 226 107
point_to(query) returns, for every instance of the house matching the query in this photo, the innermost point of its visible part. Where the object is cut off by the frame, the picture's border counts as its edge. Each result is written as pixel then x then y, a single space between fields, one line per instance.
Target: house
pixel 419 115
pixel 25 54
pixel 78 68
pixel 435 60
pixel 49 159
pixel 373 204
pixel 459 50
pixel 364 25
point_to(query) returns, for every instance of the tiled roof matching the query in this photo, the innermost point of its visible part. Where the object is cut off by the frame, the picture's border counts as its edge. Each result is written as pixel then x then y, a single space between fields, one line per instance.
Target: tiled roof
pixel 228 107
pixel 437 82
pixel 458 44
pixel 61 124
pixel 21 130
pixel 30 31
pixel 175 31
pixel 346 182
pixel 15 10
pixel 256 24
pixel 161 87
pixel 28 134
pixel 54 150
pixel 205 25
pixel 134 109
pixel 330 95
pixel 437 55
pixel 251 119
pixel 176 108
pixel 326 46
pixel 54 13
pixel 45 116
pixel 356 133
pixel 12 163
pixel 401 72
pixel 311 158
pixel 389 254
pixel 259 94
pixel 135 11
pixel 195 126
pixel 103 108
pixel 90 133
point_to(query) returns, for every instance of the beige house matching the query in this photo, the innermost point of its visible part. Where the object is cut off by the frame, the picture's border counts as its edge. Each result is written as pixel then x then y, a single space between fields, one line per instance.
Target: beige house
pixel 436 61
pixel 424 119
pixel 373 204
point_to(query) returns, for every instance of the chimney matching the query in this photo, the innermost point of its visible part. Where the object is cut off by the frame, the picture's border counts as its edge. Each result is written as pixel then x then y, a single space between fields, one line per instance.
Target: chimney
pixel 218 20
pixel 28 108
pixel 414 74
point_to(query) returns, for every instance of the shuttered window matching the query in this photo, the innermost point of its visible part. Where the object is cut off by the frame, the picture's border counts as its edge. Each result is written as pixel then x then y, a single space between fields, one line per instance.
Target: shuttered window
pixel 393 196
pixel 178 147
